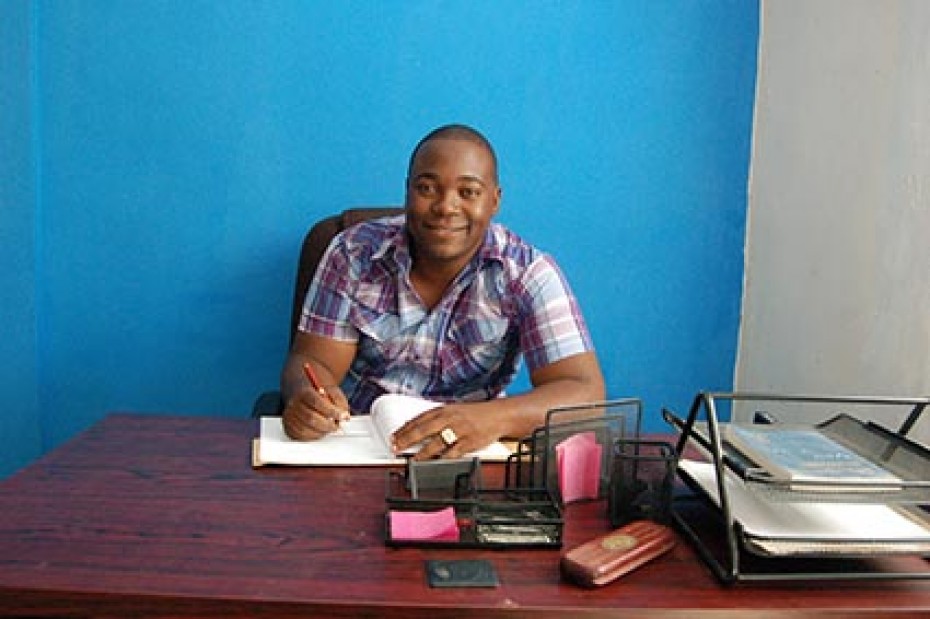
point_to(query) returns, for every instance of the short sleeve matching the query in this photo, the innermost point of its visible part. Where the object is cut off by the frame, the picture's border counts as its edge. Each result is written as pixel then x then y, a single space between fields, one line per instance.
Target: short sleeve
pixel 327 305
pixel 552 326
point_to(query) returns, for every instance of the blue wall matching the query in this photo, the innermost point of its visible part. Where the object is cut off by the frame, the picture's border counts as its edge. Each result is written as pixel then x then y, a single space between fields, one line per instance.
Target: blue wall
pixel 20 438
pixel 183 147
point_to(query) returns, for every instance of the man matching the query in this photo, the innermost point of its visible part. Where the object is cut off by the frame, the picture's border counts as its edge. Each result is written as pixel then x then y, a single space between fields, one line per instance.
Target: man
pixel 439 303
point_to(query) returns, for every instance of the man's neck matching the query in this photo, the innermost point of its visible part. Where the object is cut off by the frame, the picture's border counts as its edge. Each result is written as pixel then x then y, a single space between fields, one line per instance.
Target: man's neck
pixel 431 283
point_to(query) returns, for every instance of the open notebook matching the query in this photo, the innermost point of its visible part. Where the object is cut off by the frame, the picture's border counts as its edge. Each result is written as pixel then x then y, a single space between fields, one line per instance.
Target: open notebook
pixel 364 440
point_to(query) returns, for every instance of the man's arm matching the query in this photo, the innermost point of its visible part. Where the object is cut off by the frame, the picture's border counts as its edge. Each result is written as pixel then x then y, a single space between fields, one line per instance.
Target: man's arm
pixel 573 380
pixel 308 414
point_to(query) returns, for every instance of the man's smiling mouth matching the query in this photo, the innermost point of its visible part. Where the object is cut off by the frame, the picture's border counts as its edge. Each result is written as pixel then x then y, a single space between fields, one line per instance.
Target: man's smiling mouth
pixel 443 229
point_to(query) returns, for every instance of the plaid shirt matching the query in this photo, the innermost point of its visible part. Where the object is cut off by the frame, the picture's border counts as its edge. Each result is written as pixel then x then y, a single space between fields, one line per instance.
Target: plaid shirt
pixel 511 299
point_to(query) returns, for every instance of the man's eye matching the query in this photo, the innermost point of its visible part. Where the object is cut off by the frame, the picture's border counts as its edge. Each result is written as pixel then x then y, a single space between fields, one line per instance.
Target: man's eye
pixel 425 189
pixel 469 193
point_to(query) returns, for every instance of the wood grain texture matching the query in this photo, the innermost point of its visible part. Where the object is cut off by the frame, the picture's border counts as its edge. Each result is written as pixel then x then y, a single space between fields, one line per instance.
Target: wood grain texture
pixel 163 516
pixel 617 553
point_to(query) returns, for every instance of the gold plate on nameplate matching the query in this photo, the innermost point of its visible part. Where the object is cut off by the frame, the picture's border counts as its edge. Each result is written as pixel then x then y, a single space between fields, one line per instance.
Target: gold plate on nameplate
pixel 618 542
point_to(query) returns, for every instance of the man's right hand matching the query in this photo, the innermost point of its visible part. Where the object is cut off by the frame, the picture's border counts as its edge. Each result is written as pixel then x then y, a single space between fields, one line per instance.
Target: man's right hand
pixel 310 415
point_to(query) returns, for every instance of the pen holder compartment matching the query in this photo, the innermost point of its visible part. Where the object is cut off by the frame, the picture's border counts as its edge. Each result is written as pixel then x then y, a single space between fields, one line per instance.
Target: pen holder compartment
pixel 571 455
pixel 438 479
pixel 442 503
pixel 641 481
pixel 499 518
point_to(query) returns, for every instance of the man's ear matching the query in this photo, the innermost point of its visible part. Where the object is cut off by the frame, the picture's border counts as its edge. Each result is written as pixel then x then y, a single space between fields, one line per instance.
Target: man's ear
pixel 497 200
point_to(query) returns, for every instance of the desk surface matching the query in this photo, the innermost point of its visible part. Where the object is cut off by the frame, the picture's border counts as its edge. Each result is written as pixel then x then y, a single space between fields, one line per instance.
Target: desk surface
pixel 164 516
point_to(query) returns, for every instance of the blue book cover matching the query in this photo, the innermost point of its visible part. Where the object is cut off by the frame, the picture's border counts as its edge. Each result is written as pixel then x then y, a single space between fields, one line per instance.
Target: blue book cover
pixel 807 455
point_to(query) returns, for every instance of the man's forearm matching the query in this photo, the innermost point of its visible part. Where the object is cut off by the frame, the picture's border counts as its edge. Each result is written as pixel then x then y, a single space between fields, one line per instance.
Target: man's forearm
pixel 575 380
pixel 527 411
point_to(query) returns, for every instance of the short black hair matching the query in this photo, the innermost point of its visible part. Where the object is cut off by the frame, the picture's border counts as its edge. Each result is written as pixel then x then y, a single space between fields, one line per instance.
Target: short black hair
pixel 456 132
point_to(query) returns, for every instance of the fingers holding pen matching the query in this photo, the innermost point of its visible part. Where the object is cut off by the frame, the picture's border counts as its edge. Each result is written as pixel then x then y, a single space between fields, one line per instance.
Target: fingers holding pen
pixel 311 415
pixel 339 409
pixel 340 404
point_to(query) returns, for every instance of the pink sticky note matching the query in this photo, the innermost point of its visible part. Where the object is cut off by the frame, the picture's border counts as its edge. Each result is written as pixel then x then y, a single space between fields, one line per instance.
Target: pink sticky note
pixel 436 526
pixel 578 459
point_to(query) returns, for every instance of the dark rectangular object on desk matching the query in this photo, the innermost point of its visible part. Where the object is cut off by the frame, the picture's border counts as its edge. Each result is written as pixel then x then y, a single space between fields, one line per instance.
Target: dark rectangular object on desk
pixel 443 573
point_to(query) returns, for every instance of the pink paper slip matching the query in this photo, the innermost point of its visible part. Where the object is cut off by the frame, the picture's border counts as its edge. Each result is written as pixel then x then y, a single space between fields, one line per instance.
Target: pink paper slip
pixel 431 526
pixel 578 459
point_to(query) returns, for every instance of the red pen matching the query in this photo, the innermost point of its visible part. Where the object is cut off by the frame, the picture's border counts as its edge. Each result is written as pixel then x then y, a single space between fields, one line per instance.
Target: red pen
pixel 311 375
pixel 315 382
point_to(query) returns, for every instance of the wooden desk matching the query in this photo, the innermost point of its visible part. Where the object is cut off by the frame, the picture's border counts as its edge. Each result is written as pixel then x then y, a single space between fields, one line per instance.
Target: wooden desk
pixel 152 516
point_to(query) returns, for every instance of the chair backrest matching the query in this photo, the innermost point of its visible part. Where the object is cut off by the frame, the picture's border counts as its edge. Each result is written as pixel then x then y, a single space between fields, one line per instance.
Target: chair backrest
pixel 317 240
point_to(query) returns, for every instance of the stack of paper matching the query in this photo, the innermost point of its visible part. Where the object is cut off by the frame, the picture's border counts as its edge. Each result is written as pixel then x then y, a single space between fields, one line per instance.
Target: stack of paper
pixel 780 528
pixel 439 525
pixel 578 459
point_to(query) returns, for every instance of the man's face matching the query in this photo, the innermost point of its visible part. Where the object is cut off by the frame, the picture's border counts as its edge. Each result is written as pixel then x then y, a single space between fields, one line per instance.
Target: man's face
pixel 452 194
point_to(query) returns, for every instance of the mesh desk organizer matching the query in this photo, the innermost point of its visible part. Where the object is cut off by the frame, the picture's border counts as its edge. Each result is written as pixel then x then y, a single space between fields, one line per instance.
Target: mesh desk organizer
pixel 526 510
pixel 811 529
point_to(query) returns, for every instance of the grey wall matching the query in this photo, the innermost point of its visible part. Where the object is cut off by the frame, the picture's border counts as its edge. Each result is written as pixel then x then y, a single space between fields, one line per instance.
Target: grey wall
pixel 837 290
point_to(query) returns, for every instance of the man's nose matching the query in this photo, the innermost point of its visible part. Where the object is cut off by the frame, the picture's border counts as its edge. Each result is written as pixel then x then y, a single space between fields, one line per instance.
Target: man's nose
pixel 447 203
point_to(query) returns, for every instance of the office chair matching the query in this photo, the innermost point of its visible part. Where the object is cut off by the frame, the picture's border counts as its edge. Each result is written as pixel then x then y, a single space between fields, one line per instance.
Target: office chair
pixel 311 251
